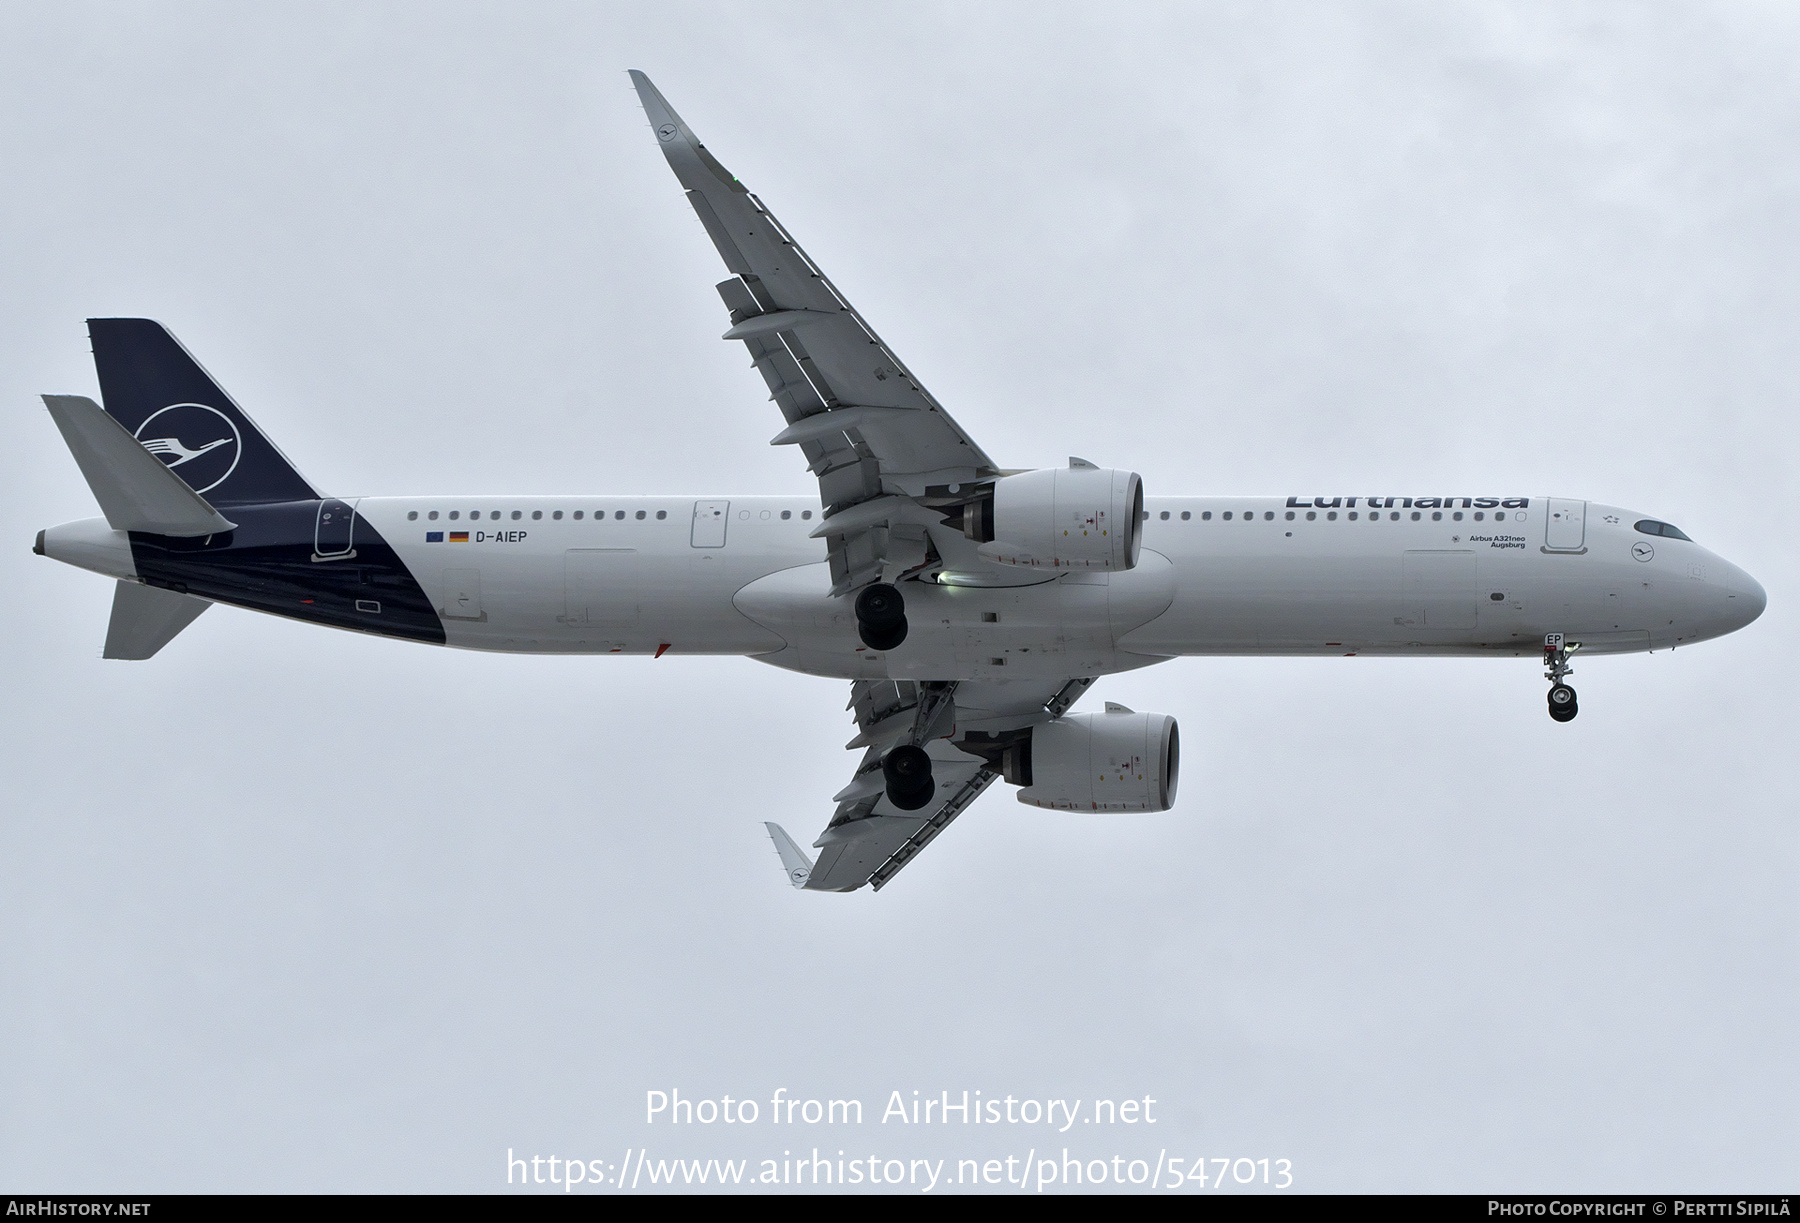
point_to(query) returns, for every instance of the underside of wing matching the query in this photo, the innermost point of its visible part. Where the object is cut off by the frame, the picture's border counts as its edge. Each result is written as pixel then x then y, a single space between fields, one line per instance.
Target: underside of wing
pixel 906 495
pixel 884 451
pixel 964 728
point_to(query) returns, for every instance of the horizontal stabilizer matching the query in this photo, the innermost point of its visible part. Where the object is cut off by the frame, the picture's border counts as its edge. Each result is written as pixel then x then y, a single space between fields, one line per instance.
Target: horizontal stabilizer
pixel 135 489
pixel 797 864
pixel 145 619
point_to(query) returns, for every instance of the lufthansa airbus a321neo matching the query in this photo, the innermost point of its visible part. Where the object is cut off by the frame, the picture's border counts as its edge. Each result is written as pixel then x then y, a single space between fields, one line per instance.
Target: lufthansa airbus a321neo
pixel 968 605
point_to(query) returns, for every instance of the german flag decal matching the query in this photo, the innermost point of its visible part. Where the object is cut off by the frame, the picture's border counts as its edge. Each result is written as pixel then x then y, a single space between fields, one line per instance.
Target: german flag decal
pixel 459 537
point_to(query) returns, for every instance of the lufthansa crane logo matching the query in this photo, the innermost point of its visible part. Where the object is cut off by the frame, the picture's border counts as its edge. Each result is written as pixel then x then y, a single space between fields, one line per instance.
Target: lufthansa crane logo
pixel 666 132
pixel 201 443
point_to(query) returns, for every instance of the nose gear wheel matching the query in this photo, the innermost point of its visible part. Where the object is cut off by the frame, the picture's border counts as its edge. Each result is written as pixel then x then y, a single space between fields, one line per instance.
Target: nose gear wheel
pixel 1563 706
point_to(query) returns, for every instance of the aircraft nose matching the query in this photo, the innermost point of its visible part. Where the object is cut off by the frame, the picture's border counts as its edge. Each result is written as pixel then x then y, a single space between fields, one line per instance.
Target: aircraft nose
pixel 1748 599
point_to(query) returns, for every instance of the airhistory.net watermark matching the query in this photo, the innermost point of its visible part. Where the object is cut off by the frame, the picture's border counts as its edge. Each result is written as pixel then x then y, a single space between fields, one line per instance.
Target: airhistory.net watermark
pixel 964 1108
pixel 639 1171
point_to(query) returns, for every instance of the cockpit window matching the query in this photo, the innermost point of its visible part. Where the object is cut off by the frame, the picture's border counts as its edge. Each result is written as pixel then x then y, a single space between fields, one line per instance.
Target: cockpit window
pixel 1649 526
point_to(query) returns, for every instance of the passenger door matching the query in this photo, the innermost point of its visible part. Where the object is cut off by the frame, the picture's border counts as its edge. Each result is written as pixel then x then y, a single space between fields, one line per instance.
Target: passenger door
pixel 710 519
pixel 333 530
pixel 1565 525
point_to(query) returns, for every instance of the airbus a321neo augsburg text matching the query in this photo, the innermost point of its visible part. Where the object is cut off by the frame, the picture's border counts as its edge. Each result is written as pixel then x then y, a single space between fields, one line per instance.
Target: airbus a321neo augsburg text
pixel 968 605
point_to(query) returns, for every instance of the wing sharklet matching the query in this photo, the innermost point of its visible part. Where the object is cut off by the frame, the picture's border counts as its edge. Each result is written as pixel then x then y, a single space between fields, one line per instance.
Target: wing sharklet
pixel 795 862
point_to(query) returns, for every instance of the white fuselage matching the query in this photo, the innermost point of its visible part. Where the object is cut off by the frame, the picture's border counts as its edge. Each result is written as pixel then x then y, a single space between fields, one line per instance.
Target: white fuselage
pixel 740 575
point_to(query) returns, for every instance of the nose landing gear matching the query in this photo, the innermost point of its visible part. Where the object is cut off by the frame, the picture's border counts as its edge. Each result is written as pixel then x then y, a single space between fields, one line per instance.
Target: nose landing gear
pixel 1562 702
pixel 1556 665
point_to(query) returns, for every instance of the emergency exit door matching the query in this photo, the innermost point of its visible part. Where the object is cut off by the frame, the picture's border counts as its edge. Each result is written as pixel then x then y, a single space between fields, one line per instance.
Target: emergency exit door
pixel 1565 525
pixel 710 519
pixel 333 531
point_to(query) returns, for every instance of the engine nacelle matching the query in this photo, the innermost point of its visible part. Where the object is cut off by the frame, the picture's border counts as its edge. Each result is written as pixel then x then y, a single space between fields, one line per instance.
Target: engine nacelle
pixel 1112 761
pixel 1061 518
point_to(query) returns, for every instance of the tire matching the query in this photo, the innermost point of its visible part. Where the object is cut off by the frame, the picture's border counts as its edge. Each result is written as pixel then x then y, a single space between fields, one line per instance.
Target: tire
pixel 881 617
pixel 907 771
pixel 881 640
pixel 1561 696
pixel 1565 714
pixel 880 607
pixel 916 799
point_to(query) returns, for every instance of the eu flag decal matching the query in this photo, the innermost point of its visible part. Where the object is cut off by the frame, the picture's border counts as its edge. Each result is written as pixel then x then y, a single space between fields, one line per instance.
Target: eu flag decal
pixel 434 537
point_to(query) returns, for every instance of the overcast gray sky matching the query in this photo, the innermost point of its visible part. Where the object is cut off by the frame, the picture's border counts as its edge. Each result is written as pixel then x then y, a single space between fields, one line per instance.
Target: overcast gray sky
pixel 290 909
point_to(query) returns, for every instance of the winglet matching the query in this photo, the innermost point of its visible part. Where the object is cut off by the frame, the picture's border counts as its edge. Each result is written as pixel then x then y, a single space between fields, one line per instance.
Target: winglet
pixel 135 489
pixel 798 865
pixel 687 156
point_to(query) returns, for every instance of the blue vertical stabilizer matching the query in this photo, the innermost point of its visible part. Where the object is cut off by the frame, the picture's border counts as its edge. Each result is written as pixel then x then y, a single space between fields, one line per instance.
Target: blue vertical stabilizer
pixel 164 399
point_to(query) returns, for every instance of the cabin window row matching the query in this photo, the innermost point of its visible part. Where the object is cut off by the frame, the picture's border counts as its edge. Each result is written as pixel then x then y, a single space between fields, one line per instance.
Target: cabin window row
pixel 1331 516
pixel 556 515
pixel 536 515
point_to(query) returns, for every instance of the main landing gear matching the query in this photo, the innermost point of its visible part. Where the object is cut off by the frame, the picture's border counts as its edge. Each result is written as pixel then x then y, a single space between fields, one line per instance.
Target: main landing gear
pixel 881 617
pixel 1556 663
pixel 906 769
pixel 907 772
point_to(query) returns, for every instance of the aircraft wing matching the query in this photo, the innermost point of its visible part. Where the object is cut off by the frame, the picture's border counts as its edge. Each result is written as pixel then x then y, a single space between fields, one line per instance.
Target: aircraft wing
pixel 871 433
pixel 869 839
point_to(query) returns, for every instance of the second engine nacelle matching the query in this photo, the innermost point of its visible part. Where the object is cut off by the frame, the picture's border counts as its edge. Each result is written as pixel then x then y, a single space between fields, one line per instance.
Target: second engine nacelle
pixel 1072 517
pixel 1112 761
